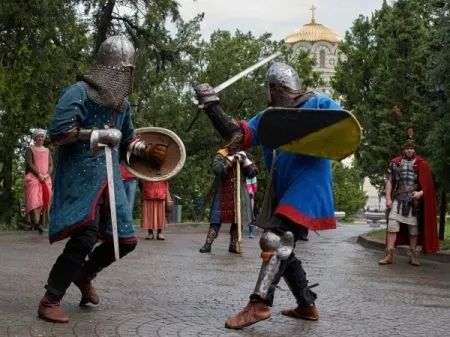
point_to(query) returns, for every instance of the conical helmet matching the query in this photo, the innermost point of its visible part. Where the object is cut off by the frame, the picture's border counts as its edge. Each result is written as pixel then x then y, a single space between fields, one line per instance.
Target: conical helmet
pixel 116 52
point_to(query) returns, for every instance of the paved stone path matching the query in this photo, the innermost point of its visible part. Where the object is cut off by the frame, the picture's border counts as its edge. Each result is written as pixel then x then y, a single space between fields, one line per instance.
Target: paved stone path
pixel 166 288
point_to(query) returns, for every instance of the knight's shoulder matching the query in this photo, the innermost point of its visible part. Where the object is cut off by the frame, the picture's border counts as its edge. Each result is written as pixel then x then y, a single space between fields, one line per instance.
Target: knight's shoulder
pixel 76 90
pixel 324 102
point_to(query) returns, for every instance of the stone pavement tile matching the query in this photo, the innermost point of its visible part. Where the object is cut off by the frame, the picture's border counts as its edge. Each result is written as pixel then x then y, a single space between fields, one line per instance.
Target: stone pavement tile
pixel 41 329
pixel 18 331
pixel 168 289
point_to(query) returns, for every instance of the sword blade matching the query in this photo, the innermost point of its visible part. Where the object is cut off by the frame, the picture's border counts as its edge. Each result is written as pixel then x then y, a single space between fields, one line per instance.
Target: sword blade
pixel 112 200
pixel 237 77
pixel 245 72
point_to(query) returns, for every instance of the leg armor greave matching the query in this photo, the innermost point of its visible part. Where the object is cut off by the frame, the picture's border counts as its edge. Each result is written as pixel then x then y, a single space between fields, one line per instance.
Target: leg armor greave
pixel 275 248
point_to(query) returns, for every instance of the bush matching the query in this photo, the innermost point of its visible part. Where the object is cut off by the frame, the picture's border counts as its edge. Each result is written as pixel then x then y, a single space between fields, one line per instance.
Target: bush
pixel 347 192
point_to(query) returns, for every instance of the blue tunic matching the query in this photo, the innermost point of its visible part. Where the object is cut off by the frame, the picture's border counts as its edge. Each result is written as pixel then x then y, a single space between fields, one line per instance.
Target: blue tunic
pixel 303 184
pixel 80 178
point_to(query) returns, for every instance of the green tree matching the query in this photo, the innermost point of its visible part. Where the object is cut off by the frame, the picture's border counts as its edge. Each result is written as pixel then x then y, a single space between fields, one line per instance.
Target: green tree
pixel 438 141
pixel 38 60
pixel 384 69
pixel 347 192
pixel 110 17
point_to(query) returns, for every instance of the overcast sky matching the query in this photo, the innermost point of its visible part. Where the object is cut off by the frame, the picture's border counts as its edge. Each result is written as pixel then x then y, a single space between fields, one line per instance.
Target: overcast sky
pixel 279 17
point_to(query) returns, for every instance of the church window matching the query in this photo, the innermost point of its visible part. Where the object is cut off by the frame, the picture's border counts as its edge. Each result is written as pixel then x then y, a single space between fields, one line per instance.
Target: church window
pixel 322 59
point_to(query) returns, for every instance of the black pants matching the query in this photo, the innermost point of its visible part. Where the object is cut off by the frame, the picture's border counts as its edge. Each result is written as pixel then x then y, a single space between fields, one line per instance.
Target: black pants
pixel 73 258
pixel 291 269
pixel 217 226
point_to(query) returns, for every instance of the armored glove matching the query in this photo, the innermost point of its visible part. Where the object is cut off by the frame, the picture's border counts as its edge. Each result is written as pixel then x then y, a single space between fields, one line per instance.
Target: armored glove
pixel 156 152
pixel 243 159
pixel 206 94
pixel 153 153
pixel 110 137
pixel 230 159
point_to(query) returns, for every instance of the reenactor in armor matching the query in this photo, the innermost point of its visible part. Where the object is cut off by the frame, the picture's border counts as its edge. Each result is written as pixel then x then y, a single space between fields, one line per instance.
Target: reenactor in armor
pixel 411 203
pixel 224 204
pixel 93 111
pixel 302 196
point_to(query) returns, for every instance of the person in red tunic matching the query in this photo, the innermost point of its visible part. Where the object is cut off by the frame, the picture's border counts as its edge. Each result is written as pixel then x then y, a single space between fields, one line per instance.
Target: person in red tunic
pixel 411 203
pixel 156 202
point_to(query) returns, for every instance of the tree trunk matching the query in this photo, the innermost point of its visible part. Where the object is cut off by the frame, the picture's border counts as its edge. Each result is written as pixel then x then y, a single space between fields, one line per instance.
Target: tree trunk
pixel 104 22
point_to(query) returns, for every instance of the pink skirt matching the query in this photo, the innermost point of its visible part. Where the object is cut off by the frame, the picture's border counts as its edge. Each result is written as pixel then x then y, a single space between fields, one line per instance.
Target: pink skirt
pixel 153 214
pixel 34 195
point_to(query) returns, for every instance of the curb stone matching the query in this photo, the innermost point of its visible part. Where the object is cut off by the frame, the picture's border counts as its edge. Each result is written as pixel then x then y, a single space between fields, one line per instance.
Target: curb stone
pixel 366 241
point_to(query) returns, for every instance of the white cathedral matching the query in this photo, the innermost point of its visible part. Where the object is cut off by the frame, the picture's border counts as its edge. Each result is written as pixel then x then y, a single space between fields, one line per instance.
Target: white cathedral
pixel 322 43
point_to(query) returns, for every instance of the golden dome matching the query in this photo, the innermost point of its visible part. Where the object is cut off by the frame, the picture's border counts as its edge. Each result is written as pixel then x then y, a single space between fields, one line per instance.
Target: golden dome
pixel 312 32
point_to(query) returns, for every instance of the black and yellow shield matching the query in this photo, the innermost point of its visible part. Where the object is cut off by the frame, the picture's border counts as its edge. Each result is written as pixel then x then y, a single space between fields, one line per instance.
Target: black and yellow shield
pixel 332 134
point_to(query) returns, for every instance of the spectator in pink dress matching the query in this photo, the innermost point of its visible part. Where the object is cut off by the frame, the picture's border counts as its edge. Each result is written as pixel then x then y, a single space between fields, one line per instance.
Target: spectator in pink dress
pixel 37 181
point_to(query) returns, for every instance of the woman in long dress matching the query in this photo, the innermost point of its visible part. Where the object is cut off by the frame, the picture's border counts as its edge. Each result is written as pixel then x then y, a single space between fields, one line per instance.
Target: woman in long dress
pixel 156 202
pixel 37 181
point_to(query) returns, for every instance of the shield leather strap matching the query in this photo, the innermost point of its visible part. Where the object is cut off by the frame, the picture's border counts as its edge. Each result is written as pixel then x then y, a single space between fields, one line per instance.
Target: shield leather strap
pixel 173 163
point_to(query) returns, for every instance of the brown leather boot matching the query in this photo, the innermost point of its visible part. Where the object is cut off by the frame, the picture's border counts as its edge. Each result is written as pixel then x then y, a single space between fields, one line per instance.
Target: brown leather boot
pixel 233 246
pixel 88 293
pixel 254 312
pixel 309 313
pixel 389 258
pixel 51 311
pixel 210 237
pixel 412 255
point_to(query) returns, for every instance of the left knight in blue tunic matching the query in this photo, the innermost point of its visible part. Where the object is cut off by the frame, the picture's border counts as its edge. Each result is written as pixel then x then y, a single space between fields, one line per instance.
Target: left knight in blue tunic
pixel 90 112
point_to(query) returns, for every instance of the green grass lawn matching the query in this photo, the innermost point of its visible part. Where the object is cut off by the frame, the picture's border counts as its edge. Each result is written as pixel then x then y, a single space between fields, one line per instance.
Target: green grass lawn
pixel 445 245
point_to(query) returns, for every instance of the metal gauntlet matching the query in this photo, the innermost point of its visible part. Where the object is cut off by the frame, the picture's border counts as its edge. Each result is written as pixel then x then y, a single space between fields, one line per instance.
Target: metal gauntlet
pixel 136 148
pixel 205 94
pixel 94 137
pixel 110 137
pixel 154 153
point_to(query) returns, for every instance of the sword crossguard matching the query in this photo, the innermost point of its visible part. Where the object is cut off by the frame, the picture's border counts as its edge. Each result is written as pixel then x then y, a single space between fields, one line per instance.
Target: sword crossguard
pixel 106 145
